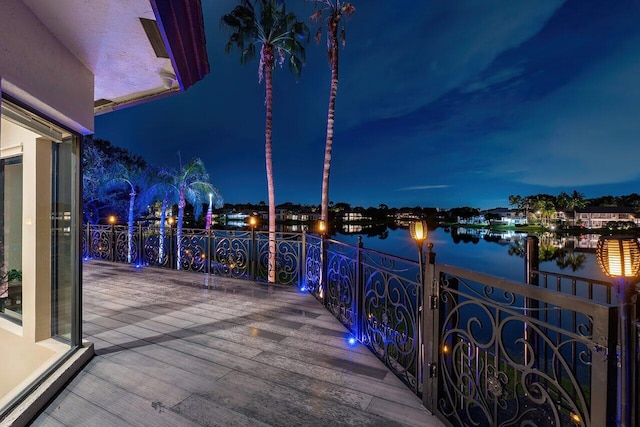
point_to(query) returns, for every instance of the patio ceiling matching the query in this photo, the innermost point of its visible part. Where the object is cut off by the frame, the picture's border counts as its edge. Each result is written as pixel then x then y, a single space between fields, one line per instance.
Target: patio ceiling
pixel 109 38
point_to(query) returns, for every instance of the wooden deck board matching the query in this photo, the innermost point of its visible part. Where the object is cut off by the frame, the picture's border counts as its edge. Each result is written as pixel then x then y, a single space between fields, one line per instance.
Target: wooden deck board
pixel 172 352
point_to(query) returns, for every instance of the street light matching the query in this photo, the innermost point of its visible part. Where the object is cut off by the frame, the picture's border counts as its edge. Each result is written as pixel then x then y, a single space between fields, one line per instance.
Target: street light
pixel 253 221
pixel 619 258
pixel 112 219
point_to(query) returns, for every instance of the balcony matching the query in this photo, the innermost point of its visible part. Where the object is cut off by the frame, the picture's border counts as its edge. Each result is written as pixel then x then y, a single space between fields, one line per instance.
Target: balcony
pixel 182 348
pixel 373 339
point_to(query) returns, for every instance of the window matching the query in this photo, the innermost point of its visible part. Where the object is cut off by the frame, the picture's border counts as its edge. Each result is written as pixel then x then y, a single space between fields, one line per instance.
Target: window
pixel 11 236
pixel 39 168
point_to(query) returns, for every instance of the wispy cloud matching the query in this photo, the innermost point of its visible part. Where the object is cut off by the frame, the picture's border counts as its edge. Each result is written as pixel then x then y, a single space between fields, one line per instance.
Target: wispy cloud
pixel 422 187
pixel 486 82
pixel 451 43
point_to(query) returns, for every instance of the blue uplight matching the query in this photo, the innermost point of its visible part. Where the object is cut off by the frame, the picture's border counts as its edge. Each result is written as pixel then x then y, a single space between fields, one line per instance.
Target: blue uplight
pixel 352 341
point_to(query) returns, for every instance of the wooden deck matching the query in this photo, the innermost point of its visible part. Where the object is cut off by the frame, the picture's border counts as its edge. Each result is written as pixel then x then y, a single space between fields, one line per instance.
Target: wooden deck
pixel 170 352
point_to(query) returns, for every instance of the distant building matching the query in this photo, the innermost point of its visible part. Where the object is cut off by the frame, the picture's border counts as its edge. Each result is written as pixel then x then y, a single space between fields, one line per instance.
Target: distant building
pixel 405 215
pixel 353 216
pixel 304 216
pixel 507 216
pixel 474 220
pixel 599 216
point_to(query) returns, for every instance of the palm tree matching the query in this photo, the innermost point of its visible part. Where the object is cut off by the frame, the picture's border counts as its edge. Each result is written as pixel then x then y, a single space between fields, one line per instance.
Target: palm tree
pixel 335 10
pixel 192 186
pixel 167 192
pixel 138 183
pixel 278 35
pixel 576 200
pixel 563 200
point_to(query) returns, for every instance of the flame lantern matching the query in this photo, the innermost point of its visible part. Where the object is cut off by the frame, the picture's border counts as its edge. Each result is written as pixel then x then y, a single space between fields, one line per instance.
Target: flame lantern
pixel 619 256
pixel 418 231
pixel 322 227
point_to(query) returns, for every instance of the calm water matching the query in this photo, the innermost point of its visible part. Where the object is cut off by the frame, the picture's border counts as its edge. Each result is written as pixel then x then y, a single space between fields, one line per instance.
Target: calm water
pixel 470 249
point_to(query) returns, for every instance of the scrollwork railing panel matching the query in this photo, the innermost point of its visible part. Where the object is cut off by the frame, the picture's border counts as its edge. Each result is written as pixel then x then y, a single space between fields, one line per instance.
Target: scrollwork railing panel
pixel 392 299
pixel 341 288
pixel 156 247
pixel 232 254
pixel 506 358
pixel 288 257
pixel 313 266
pixel 101 244
pixel 193 251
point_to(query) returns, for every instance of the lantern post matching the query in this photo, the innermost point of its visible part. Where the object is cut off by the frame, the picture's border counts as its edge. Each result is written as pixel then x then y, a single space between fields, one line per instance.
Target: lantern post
pixel 619 258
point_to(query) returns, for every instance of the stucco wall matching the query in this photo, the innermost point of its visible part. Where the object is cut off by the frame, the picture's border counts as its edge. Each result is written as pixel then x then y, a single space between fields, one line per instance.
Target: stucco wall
pixel 38 70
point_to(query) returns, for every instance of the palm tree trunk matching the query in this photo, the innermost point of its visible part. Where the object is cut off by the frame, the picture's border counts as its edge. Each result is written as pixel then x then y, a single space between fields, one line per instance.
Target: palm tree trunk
pixel 132 200
pixel 163 217
pixel 268 69
pixel 324 213
pixel 181 204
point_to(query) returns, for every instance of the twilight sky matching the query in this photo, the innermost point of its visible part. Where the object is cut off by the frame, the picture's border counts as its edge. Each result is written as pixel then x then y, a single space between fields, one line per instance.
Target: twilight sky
pixel 440 103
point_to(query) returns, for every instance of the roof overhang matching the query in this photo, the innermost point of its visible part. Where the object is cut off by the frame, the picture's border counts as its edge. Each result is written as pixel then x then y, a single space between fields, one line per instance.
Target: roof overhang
pixel 138 50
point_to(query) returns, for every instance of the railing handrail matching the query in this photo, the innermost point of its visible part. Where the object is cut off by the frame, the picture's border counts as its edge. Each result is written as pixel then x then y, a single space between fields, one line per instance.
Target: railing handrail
pixel 533 291
pixel 571 277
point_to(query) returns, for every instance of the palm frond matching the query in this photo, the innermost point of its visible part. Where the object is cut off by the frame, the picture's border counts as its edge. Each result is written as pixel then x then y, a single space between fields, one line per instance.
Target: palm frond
pixel 267 24
pixel 348 9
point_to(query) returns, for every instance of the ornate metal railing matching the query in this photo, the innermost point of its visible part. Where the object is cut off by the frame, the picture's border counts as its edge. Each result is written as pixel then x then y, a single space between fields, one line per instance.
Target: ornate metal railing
pixel 377 296
pixel 237 254
pixel 507 353
pixel 480 350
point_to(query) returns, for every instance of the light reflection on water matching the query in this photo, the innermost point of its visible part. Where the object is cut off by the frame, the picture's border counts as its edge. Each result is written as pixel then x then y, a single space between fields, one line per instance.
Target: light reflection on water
pixel 477 253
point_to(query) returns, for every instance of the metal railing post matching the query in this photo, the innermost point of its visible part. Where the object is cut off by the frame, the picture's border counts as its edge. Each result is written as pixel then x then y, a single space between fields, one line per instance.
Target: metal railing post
pixel 140 245
pixel 419 321
pixel 254 254
pixel 531 260
pixel 430 325
pixel 303 259
pixel 531 265
pixel 172 243
pixel 635 359
pixel 626 295
pixel 113 243
pixel 208 257
pixel 323 269
pixel 359 314
pixel 88 240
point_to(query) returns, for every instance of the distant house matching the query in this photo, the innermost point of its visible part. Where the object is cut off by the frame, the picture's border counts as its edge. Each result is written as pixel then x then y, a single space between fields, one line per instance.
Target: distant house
pixel 507 216
pixel 282 214
pixel 600 216
pixel 407 216
pixel 353 216
pixel 474 220
pixel 304 216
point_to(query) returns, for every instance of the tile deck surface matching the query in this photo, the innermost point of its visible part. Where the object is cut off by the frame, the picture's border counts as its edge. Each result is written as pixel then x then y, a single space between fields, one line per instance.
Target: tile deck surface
pixel 171 351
